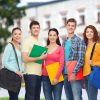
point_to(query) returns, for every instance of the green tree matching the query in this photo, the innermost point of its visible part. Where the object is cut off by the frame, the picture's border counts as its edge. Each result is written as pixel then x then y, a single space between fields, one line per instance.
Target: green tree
pixel 9 12
pixel 4 34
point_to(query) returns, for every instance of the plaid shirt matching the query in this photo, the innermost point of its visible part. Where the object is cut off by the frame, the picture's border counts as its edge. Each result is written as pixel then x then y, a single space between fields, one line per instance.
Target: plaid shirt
pixel 77 52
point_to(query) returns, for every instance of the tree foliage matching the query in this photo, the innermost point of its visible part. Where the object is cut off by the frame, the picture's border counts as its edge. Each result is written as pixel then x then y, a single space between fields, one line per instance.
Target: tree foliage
pixel 9 12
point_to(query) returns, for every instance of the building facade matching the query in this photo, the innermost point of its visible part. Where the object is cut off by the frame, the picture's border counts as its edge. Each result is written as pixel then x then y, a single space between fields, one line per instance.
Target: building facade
pixel 54 14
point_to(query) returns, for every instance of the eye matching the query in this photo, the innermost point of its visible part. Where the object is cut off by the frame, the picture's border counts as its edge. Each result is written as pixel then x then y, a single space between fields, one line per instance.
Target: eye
pixel 50 34
pixel 19 33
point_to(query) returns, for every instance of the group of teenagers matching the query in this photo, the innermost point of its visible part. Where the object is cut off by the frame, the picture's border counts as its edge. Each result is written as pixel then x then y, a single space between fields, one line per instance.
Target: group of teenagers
pixel 72 48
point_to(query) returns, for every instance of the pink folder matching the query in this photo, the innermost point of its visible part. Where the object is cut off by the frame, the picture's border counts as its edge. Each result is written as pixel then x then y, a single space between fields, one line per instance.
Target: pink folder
pixel 70 67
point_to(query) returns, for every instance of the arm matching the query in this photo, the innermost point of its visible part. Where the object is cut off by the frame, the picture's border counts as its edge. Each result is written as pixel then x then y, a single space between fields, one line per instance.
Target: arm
pixel 26 58
pixel 61 61
pixel 81 53
pixel 7 57
pixel 96 56
pixel 26 50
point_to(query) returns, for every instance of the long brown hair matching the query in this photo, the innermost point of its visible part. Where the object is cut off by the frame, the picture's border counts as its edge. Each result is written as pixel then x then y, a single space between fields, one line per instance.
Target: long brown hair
pixel 95 36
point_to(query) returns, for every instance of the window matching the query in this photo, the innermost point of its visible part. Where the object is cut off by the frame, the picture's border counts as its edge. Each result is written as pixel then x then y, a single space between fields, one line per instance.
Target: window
pixel 98 13
pixel 82 20
pixel 81 16
pixel 98 17
pixel 47 22
pixel 47 25
pixel 63 18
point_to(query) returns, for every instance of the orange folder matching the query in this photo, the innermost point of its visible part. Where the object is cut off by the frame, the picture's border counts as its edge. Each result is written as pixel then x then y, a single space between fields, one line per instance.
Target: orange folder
pixel 52 71
pixel 70 67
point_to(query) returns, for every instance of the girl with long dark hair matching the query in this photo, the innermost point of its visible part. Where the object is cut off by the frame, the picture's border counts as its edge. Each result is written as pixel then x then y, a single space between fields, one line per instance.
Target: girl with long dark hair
pixel 55 54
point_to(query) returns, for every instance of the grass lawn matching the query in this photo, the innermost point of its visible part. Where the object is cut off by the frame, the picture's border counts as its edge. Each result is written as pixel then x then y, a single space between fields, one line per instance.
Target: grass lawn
pixel 7 99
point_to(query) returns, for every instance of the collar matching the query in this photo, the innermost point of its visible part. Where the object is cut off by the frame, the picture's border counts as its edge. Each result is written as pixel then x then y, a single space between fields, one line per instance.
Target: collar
pixel 72 38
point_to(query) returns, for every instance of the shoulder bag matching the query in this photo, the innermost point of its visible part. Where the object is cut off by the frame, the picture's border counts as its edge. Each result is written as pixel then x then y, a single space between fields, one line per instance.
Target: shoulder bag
pixel 8 79
pixel 94 77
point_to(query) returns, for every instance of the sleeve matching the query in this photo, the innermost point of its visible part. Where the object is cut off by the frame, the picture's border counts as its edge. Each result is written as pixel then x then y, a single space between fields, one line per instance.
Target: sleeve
pixel 6 58
pixel 61 60
pixel 97 55
pixel 80 54
pixel 25 46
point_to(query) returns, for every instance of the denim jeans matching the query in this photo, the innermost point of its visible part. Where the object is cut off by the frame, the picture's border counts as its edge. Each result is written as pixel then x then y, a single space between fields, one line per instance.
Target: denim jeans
pixel 67 88
pixel 13 95
pixel 51 92
pixel 90 89
pixel 73 90
pixel 32 87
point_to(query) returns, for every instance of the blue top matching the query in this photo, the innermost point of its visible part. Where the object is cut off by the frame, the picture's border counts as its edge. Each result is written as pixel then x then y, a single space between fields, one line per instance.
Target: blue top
pixel 9 59
pixel 67 52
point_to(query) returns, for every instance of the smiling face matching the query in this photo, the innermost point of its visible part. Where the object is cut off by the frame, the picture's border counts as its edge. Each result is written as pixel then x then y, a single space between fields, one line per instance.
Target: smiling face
pixel 52 36
pixel 16 36
pixel 35 30
pixel 89 34
pixel 71 27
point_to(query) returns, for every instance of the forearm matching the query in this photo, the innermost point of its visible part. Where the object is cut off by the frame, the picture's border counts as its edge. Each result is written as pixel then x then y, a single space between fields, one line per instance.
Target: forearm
pixel 80 54
pixel 61 63
pixel 78 66
pixel 29 59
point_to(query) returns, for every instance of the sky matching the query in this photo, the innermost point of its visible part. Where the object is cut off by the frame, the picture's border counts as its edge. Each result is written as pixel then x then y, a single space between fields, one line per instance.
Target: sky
pixel 24 2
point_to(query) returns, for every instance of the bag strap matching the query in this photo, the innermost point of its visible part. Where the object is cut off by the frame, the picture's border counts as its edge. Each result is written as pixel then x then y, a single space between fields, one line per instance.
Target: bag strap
pixel 92 51
pixel 15 55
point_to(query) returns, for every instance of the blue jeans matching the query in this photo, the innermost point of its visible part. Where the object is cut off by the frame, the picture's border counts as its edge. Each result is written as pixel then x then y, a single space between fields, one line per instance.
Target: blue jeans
pixel 67 88
pixel 13 95
pixel 51 92
pixel 90 89
pixel 73 90
pixel 32 87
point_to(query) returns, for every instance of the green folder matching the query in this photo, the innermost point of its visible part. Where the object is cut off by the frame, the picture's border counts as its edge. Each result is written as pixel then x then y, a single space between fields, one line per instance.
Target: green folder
pixel 37 51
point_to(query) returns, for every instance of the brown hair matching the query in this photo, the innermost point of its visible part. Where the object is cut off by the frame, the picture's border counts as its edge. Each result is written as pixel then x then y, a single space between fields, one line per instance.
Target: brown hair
pixel 34 23
pixel 71 20
pixel 16 28
pixel 95 37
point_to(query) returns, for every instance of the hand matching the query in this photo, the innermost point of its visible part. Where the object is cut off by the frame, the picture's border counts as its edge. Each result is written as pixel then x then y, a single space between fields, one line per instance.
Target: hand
pixel 55 81
pixel 90 62
pixel 43 56
pixel 72 77
pixel 19 73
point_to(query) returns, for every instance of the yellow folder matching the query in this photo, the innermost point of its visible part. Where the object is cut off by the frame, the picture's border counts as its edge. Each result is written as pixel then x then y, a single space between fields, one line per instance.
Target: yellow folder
pixel 52 70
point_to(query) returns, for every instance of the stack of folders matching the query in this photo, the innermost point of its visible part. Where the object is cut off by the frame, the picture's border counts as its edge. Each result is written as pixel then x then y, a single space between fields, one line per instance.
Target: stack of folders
pixel 37 51
pixel 52 70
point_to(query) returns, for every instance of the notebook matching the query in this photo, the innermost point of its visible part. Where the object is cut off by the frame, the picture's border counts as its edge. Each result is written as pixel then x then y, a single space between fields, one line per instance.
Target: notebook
pixel 52 71
pixel 37 51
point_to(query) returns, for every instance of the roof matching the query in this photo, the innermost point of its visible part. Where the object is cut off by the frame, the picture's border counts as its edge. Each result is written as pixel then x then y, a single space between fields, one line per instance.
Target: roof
pixel 37 4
